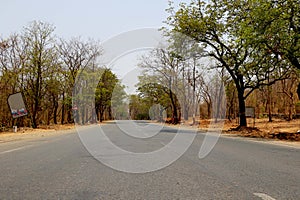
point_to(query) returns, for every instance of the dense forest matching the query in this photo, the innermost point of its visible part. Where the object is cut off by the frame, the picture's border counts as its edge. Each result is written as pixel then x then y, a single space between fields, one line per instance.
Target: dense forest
pixel 220 58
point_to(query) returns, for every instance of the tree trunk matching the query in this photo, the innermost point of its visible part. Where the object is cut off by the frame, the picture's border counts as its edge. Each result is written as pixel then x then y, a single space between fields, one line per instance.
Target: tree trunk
pixel 83 115
pixel 55 102
pixel 186 112
pixel 174 109
pixel 69 118
pixel 269 113
pixel 161 110
pixel 242 109
pixel 48 116
pixel 94 117
pixel 36 105
pixel 55 114
pixel 101 111
pixel 34 121
pixel 298 91
pixel 179 115
pixel 219 113
pixel 87 117
pixel 63 109
pixel 110 117
pixel 208 110
pixel 97 113
pixel 269 104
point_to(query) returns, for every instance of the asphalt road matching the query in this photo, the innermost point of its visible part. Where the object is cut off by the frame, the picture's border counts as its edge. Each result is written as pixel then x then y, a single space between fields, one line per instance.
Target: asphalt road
pixel 60 167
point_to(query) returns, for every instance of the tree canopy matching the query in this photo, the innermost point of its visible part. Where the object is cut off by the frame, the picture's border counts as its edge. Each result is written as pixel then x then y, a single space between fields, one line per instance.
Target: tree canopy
pixel 227 28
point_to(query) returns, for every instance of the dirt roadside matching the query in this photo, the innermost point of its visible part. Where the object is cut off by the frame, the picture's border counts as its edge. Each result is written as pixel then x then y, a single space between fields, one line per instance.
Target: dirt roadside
pixel 279 132
pixel 263 131
pixel 30 133
pixel 41 131
pixel 278 129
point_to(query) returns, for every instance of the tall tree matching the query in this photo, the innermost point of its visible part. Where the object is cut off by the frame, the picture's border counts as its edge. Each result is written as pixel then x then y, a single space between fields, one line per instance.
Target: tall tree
pixel 163 66
pixel 190 55
pixel 75 55
pixel 38 37
pixel 214 24
pixel 275 26
pixel 109 92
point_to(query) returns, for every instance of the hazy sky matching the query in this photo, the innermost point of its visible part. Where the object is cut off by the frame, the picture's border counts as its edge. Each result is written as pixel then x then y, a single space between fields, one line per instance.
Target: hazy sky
pixel 99 19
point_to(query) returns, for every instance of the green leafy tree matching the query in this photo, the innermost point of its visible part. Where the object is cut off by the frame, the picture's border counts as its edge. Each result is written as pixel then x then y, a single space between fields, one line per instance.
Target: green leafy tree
pixel 155 93
pixel 75 55
pixel 119 104
pixel 139 107
pixel 162 67
pixel 107 92
pixel 275 26
pixel 214 25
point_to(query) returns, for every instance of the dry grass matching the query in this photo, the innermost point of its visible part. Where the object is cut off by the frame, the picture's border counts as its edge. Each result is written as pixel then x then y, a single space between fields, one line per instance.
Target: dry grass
pixel 28 133
pixel 277 129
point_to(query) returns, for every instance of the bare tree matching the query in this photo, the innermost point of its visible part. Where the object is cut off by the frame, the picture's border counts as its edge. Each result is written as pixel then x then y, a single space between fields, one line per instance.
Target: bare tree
pixel 165 66
pixel 75 55
pixel 40 42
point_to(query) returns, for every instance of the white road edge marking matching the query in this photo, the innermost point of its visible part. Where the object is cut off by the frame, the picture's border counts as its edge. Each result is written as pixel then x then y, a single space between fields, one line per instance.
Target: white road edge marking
pixel 17 149
pixel 264 196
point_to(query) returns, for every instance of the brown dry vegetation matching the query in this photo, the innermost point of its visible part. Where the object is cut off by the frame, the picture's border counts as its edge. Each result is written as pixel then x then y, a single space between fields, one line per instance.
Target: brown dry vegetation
pixel 29 133
pixel 278 129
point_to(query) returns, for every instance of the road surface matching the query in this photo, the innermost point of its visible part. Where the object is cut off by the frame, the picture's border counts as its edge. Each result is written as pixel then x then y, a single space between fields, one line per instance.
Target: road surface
pixel 61 168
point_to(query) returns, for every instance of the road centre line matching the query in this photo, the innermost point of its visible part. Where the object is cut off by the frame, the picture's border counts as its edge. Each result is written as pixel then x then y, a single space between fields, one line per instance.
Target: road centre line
pixel 16 149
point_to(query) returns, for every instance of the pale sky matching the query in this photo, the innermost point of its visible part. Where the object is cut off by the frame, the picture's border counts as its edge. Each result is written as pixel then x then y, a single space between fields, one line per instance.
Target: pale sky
pixel 97 19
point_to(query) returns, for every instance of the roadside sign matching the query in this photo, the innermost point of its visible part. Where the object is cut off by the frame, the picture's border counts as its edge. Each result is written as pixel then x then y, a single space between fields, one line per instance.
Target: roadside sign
pixel 250 111
pixel 17 105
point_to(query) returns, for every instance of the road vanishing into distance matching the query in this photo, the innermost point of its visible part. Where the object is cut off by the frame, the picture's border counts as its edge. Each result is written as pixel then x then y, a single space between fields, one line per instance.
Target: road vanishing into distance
pixel 60 167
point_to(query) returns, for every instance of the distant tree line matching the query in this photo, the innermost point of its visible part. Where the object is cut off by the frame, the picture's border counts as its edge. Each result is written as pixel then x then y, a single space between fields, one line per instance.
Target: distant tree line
pixel 44 68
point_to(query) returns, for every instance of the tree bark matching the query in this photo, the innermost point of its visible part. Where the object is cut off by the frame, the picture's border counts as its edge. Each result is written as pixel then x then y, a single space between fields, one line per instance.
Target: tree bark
pixel 55 102
pixel 242 109
pixel 186 112
pixel 63 109
pixel 298 91
pixel 208 110
pixel 174 108
pixel 101 111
